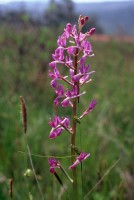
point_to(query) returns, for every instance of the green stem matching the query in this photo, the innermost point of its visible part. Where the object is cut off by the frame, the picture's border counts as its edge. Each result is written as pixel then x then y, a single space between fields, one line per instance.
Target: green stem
pixel 73 136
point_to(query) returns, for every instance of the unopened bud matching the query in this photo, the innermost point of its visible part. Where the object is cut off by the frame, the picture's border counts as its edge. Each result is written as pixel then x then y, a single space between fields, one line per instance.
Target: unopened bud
pixel 86 18
pixel 82 21
pixel 92 31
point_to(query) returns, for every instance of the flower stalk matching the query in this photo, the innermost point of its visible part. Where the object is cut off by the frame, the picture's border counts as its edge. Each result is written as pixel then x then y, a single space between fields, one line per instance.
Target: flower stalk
pixel 72 51
pixel 73 136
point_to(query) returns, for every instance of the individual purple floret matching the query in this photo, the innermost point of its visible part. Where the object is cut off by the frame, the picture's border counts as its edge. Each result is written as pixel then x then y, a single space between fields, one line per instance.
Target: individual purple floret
pixel 86 47
pixel 53 164
pixel 59 54
pixel 90 108
pixel 80 158
pixel 58 125
pixel 71 95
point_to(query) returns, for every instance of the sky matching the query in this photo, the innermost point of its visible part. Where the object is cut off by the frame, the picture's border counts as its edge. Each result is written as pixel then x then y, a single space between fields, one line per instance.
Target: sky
pixel 77 1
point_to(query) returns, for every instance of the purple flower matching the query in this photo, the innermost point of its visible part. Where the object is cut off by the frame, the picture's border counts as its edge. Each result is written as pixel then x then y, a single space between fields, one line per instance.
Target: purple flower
pixel 74 31
pixel 80 158
pixel 85 71
pixel 83 75
pixel 54 83
pixel 52 64
pixel 71 95
pixel 55 75
pixel 68 30
pixel 66 102
pixel 59 54
pixel 86 46
pixel 59 90
pixel 55 132
pixel 69 61
pixel 73 92
pixel 61 41
pixel 92 105
pixel 53 164
pixel 55 122
pixel 90 108
pixel 56 101
pixel 77 77
pixel 78 42
pixel 71 73
pixel 78 39
pixel 71 49
pixel 81 36
pixel 68 95
pixel 58 125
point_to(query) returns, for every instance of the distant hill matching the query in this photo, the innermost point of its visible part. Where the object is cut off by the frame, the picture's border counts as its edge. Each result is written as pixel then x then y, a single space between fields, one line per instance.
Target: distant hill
pixel 113 17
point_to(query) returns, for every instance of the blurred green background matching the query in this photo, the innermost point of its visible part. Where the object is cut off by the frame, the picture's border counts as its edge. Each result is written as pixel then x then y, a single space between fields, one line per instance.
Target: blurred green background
pixel 107 133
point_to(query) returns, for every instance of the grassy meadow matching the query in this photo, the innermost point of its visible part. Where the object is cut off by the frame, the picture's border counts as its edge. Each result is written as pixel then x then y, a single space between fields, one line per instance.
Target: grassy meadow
pixel 107 133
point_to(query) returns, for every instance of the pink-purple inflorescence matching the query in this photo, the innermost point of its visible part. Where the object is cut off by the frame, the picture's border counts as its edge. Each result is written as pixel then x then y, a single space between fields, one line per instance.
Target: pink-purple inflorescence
pixel 71 44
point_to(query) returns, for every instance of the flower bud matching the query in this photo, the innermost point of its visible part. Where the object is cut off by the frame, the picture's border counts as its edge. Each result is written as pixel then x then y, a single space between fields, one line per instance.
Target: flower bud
pixel 86 18
pixel 92 31
pixel 82 22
